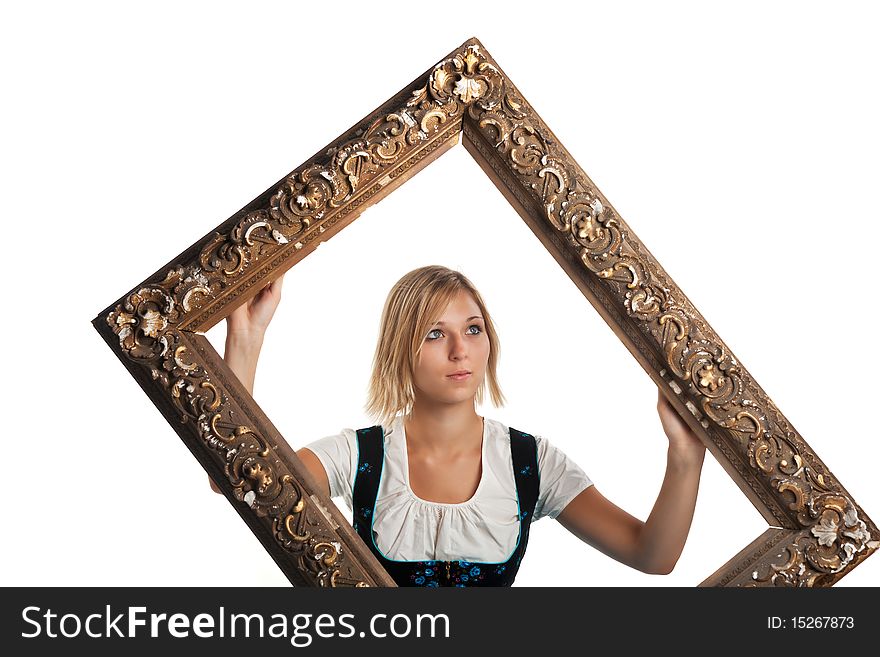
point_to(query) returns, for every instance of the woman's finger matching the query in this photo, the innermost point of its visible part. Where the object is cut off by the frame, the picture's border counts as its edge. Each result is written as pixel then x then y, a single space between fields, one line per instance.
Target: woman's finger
pixel 277 283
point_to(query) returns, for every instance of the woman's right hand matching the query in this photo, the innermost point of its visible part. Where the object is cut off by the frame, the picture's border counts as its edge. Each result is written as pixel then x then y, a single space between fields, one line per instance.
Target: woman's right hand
pixel 252 318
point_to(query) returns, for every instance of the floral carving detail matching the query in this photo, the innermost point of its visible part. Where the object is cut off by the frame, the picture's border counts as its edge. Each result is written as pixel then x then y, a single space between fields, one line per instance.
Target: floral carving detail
pixel 823 550
pixel 143 318
pixel 469 89
pixel 466 78
pixel 709 377
pixel 140 323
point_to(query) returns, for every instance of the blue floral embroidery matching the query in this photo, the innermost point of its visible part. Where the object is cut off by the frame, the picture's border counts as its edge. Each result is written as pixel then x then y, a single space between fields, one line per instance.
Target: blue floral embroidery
pixel 365 467
pixel 526 470
pixel 466 573
pixel 425 576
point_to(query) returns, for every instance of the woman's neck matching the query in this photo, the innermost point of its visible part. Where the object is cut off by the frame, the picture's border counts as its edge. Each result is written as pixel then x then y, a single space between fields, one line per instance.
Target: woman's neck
pixel 445 430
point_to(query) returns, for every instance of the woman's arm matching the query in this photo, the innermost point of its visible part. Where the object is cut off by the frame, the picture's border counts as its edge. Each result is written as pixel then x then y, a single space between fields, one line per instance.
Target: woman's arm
pixel 245 328
pixel 655 545
pixel 241 354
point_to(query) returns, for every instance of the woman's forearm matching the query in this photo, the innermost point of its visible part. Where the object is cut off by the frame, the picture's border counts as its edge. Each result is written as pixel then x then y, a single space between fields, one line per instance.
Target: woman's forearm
pixel 664 533
pixel 241 355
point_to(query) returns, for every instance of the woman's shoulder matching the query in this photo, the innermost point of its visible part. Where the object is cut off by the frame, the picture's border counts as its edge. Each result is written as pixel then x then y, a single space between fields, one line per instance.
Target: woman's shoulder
pixel 547 450
pixel 333 442
pixel 499 429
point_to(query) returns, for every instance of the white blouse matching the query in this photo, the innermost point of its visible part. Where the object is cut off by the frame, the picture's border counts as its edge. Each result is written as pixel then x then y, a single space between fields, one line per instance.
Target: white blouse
pixel 484 528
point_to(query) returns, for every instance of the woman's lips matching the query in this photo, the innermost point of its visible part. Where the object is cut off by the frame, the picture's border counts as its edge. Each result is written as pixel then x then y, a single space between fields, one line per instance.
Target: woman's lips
pixel 458 377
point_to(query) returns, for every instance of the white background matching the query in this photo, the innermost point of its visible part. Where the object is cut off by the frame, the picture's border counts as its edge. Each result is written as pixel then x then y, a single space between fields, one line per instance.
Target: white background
pixel 740 144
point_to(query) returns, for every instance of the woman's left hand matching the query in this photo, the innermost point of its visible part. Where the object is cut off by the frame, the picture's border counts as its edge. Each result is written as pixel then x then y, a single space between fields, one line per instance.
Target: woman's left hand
pixel 683 442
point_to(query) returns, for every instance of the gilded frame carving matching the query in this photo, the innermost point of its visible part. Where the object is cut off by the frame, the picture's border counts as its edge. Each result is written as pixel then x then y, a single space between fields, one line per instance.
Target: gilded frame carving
pixel 817 533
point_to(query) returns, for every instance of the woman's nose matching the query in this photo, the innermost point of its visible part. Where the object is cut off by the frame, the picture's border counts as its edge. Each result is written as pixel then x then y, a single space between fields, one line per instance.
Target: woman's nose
pixel 457 346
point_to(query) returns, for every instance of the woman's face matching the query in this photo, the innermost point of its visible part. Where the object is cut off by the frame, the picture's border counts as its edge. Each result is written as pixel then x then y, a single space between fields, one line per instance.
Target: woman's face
pixel 458 341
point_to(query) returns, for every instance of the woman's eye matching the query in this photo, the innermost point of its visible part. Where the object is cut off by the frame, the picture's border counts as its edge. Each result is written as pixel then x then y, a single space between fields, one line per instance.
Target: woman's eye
pixel 476 326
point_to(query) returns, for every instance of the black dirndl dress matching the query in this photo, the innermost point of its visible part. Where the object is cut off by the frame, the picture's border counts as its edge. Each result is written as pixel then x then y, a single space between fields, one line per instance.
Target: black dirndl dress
pixel 371 458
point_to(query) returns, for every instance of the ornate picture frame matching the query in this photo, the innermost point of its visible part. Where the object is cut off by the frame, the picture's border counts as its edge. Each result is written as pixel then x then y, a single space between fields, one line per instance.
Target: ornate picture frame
pixel 816 532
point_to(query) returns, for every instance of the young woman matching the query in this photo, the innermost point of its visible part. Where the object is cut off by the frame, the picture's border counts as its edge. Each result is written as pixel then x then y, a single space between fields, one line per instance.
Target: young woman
pixel 441 495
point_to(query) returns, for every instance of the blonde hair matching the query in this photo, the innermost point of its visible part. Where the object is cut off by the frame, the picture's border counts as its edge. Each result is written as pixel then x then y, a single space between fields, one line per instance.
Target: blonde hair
pixel 412 307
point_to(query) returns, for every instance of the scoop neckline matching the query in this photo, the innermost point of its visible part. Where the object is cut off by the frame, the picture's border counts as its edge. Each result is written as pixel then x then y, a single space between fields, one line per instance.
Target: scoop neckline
pixel 444 504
